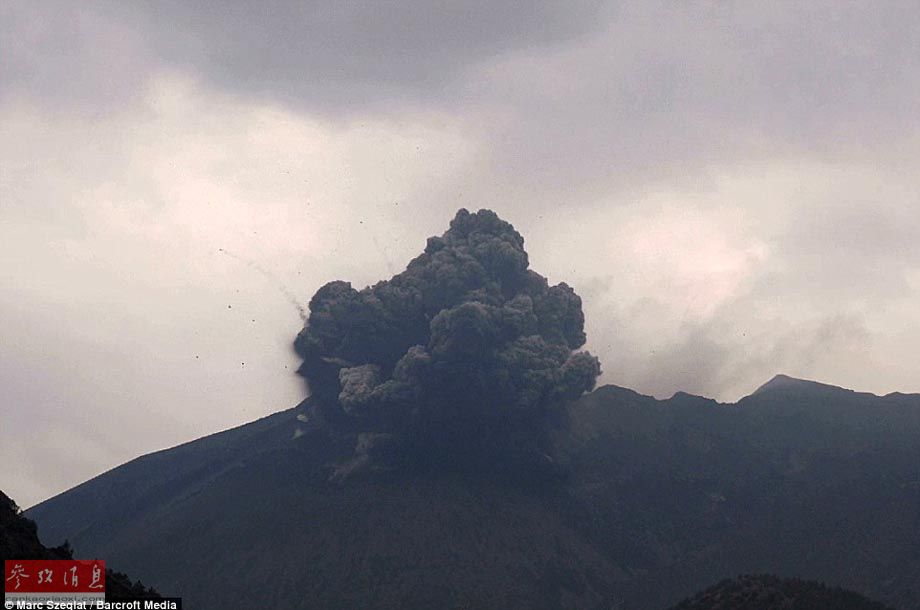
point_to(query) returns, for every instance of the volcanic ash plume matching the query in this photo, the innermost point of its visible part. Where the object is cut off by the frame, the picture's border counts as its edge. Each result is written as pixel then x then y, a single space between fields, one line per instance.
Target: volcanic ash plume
pixel 467 354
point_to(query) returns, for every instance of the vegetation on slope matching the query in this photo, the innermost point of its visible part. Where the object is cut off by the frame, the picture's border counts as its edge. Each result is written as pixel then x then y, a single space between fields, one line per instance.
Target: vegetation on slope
pixel 767 592
pixel 19 540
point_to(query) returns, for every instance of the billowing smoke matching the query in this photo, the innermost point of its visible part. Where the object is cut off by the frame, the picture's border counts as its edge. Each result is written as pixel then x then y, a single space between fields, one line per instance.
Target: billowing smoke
pixel 465 355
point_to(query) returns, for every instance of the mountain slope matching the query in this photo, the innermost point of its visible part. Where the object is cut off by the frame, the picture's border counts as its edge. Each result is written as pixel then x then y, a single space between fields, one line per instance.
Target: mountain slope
pixel 254 505
pixel 658 499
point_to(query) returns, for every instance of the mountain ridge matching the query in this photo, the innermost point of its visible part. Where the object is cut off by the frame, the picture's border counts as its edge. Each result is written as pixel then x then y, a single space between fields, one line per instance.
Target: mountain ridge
pixel 779 381
pixel 786 383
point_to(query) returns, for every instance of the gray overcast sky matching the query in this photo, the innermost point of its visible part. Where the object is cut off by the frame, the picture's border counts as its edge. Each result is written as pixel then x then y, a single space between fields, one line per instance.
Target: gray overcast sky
pixel 732 187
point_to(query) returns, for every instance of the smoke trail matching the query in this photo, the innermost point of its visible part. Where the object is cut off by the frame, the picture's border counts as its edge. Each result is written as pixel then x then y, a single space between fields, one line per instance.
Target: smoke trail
pixel 274 279
pixel 382 251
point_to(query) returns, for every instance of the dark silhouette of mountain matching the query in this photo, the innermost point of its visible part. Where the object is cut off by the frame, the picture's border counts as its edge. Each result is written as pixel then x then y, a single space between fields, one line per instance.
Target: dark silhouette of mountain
pixel 650 500
pixel 766 592
pixel 19 540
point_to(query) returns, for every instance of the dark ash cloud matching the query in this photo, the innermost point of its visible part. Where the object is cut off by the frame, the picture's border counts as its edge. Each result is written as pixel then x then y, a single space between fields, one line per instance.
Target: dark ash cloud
pixel 465 354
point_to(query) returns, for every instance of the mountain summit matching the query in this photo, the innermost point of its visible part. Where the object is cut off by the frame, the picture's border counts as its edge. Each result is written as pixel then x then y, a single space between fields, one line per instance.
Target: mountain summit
pixel 785 383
